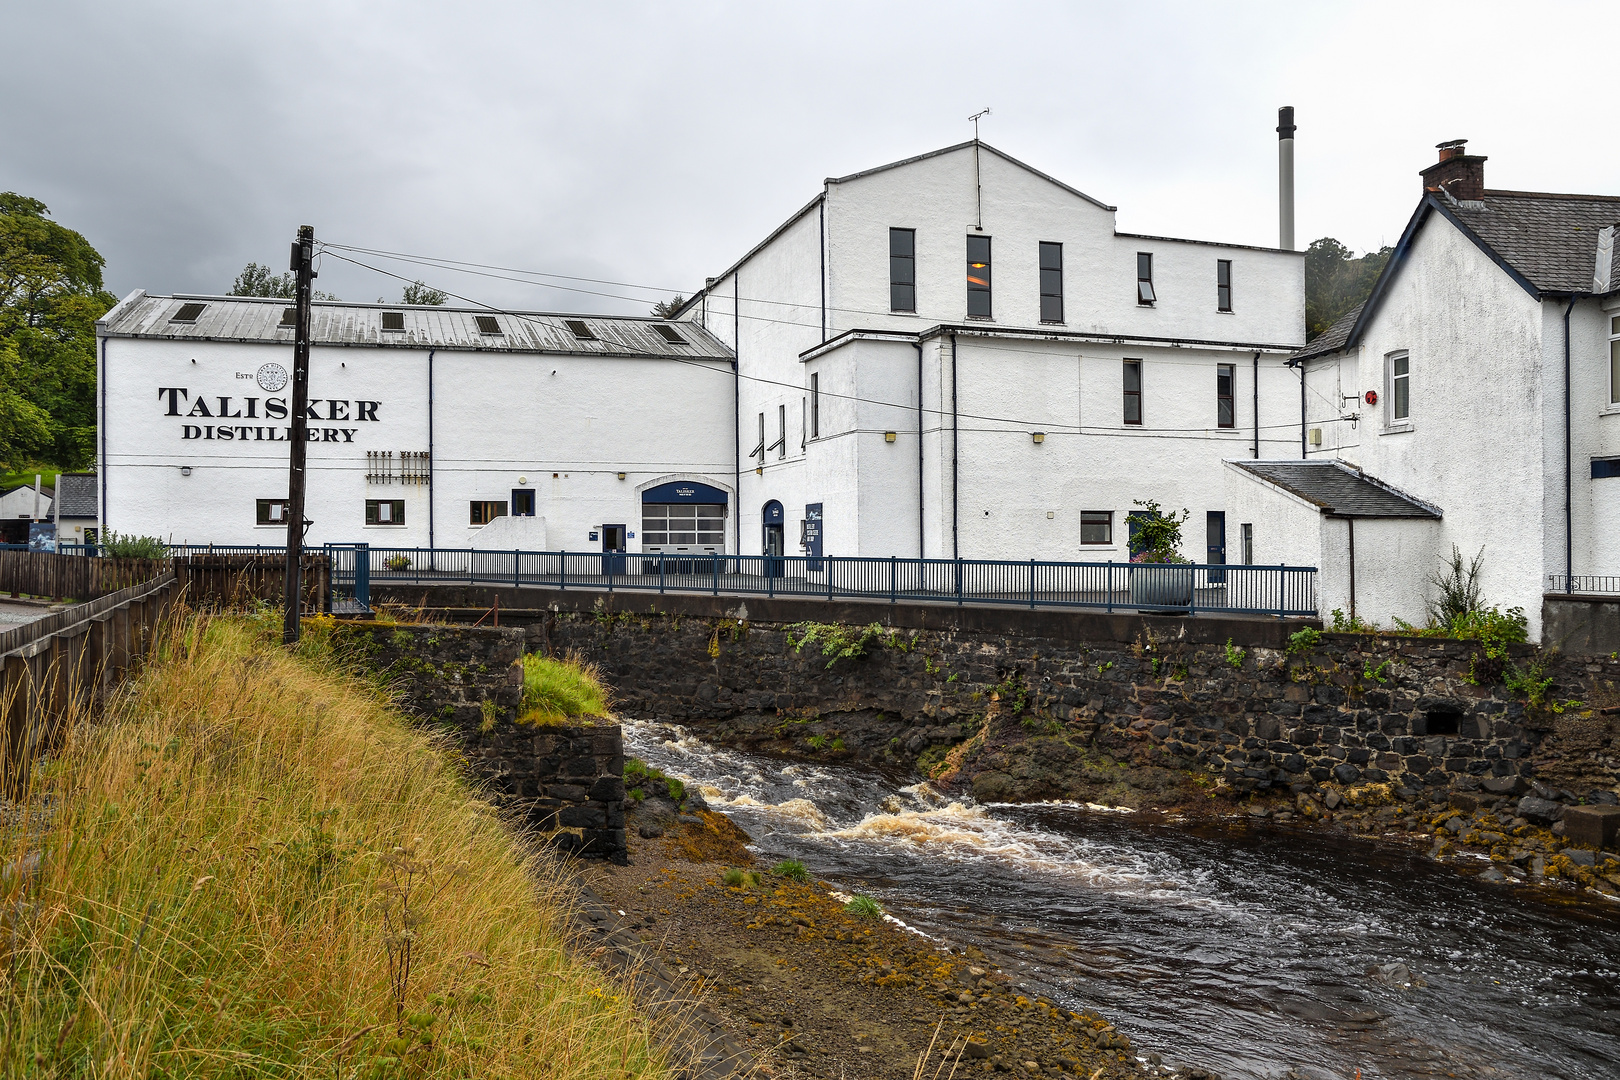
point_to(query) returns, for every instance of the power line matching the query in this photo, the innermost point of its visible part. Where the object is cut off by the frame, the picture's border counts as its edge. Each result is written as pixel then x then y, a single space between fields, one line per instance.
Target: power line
pixel 1190 432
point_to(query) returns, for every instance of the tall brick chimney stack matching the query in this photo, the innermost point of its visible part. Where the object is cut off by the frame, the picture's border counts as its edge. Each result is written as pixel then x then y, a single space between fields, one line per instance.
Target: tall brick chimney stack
pixel 1462 175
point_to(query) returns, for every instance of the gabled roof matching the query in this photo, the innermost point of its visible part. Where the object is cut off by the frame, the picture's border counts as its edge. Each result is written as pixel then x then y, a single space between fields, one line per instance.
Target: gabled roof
pixel 78 494
pixel 1333 338
pixel 1338 490
pixel 1546 242
pixel 252 319
pixel 964 146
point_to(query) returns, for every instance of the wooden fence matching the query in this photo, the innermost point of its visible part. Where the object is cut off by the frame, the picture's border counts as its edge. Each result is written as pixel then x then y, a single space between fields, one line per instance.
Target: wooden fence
pixel 209 581
pixel 62 664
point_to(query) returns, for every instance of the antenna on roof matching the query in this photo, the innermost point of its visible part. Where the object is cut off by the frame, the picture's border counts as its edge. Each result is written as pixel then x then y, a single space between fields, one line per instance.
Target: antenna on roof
pixel 978 188
pixel 974 119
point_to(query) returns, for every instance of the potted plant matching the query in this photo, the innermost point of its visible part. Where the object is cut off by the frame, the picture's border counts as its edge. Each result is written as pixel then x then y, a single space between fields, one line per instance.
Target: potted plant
pixel 1160 575
pixel 397 562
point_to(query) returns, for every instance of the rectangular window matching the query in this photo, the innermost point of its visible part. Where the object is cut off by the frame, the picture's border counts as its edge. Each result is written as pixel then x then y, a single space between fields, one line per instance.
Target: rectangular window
pixel 1223 284
pixel 1051 282
pixel 1247 529
pixel 781 432
pixel 804 422
pixel 682 525
pixel 271 512
pixel 1225 380
pixel 978 277
pixel 522 502
pixel 1614 360
pixel 902 269
pixel 1133 391
pixel 385 511
pixel 1400 386
pixel 1096 526
pixel 1144 278
pixel 484 511
pixel 815 406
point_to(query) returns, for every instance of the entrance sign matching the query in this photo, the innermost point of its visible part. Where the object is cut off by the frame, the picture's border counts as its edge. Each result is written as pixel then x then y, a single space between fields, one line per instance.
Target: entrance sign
pixel 810 537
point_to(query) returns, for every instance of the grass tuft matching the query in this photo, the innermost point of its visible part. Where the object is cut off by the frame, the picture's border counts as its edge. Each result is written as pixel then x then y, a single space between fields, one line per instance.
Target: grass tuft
pixel 791 869
pixel 253 866
pixel 864 907
pixel 556 690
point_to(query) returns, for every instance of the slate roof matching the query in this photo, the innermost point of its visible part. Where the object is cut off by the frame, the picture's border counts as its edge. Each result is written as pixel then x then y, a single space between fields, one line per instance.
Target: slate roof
pixel 78 494
pixel 1333 338
pixel 240 318
pixel 1339 490
pixel 1549 239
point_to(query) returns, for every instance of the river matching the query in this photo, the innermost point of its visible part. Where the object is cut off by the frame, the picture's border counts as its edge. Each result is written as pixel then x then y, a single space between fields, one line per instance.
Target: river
pixel 1242 949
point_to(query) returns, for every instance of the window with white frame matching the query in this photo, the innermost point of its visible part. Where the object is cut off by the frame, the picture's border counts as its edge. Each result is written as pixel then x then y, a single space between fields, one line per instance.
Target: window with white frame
pixel 1399 378
pixel 1614 360
pixel 1247 532
pixel 385 511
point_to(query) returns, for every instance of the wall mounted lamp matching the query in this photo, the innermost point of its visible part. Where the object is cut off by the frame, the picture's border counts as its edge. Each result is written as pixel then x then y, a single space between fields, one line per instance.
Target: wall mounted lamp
pixel 888 436
pixel 185 470
pixel 1038 436
pixel 621 476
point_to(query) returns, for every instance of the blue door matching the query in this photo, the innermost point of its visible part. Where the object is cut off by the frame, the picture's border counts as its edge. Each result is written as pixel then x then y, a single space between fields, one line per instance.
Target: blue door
pixel 771 544
pixel 1215 545
pixel 613 550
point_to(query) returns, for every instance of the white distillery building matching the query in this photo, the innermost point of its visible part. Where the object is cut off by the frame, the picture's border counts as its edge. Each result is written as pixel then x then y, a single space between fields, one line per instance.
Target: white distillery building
pixel 427 426
pixel 958 355
pixel 1479 389
pixel 955 354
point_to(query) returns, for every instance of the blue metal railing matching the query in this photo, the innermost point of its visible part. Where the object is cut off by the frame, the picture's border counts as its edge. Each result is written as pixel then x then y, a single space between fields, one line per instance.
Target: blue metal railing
pixel 1182 588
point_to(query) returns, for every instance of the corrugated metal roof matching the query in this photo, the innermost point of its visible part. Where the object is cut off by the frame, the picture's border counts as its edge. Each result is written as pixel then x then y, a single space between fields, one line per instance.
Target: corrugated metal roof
pixel 238 318
pixel 1339 490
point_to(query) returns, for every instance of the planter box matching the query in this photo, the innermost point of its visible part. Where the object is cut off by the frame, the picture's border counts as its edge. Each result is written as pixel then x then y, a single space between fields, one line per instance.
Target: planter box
pixel 1161 585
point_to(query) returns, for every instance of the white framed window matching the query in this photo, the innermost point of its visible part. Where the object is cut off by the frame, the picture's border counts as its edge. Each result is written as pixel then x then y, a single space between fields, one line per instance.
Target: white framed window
pixel 385 511
pixel 1247 532
pixel 1398 380
pixel 1614 361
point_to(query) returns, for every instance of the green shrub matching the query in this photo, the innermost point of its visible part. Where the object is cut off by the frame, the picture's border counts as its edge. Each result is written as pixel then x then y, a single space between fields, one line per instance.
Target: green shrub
pixel 817 743
pixel 128 546
pixel 792 869
pixel 554 690
pixel 1457 590
pixel 1304 640
pixel 1234 655
pixel 838 642
pixel 864 907
pixel 1158 535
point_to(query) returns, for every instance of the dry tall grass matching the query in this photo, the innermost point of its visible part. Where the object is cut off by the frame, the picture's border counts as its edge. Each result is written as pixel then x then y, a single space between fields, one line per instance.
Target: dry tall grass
pixel 254 867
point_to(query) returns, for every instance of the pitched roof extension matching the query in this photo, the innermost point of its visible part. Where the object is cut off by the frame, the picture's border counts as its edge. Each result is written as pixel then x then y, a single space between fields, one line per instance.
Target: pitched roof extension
pixel 78 495
pixel 1339 490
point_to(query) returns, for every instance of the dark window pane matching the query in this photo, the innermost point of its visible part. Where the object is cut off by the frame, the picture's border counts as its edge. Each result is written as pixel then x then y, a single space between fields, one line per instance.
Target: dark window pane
pixel 1051 309
pixel 1223 273
pixel 1223 381
pixel 1096 527
pixel 902 271
pixel 978 249
pixel 1133 408
pixel 903 242
pixel 1223 299
pixel 902 298
pixel 978 303
pixel 978 276
pixel 1144 266
pixel 1133 375
pixel 1051 283
pixel 1226 418
pixel 1051 256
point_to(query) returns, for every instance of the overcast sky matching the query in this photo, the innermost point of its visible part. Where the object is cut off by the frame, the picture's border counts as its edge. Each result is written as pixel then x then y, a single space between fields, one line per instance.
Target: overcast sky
pixel 655 143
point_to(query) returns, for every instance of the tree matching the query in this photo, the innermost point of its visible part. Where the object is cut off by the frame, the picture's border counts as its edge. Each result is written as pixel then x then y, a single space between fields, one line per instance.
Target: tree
pixel 1336 281
pixel 666 309
pixel 256 280
pixel 51 295
pixel 418 293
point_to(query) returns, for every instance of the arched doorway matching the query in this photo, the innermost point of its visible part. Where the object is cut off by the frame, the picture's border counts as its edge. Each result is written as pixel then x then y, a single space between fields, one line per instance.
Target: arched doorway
pixel 773 543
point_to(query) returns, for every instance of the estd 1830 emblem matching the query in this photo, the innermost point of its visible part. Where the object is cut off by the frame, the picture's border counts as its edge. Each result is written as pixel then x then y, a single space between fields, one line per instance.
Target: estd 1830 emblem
pixel 272 377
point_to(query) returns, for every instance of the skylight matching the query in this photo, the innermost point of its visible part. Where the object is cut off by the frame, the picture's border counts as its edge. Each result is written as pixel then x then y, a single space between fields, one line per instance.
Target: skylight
pixel 289 316
pixel 395 320
pixel 188 313
pixel 487 324
pixel 669 334
pixel 581 331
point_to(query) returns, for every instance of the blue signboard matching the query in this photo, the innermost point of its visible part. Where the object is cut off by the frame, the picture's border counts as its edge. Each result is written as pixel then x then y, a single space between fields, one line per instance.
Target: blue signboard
pixel 685 491
pixel 810 538
pixel 773 513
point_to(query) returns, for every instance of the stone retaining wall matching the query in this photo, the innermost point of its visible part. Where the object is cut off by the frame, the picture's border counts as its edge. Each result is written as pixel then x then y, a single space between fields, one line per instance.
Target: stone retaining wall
pixel 565 782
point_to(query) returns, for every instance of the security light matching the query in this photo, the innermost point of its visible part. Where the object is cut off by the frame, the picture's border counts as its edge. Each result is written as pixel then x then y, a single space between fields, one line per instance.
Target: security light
pixel 1038 436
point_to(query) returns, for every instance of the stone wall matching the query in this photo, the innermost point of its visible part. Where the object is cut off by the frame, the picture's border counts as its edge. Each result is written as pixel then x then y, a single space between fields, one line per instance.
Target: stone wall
pixel 1221 697
pixel 565 782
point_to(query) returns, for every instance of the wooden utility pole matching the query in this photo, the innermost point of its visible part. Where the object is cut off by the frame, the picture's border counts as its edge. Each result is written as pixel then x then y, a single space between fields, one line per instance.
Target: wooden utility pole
pixel 303 257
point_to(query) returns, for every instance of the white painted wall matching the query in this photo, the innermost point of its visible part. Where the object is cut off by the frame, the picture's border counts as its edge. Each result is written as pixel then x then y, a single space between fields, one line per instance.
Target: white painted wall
pixel 562 426
pixel 20 503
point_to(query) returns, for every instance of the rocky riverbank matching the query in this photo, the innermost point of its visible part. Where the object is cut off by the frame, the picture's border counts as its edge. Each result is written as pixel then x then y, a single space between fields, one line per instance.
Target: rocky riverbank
pixel 788 981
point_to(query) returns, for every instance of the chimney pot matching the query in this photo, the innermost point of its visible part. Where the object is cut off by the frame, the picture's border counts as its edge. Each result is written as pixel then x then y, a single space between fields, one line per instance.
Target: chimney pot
pixel 1460 174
